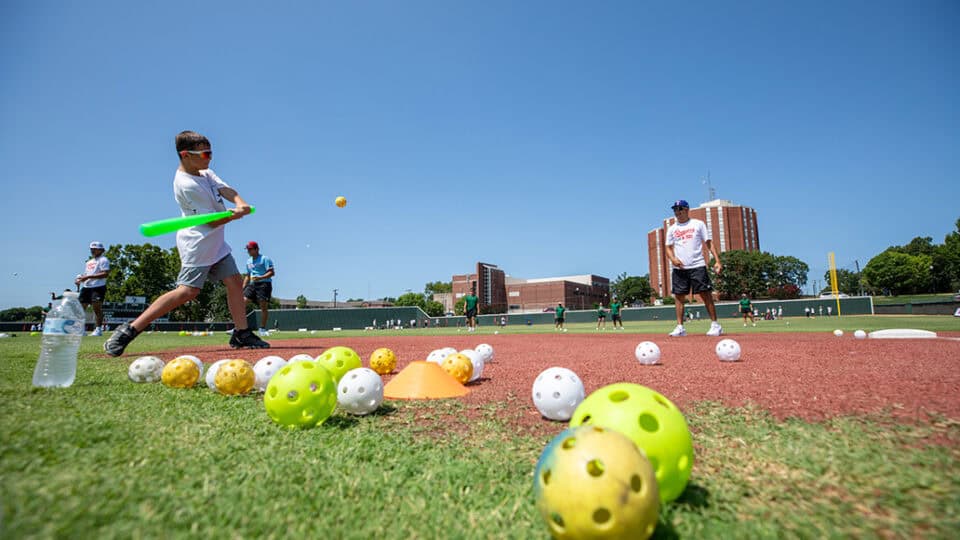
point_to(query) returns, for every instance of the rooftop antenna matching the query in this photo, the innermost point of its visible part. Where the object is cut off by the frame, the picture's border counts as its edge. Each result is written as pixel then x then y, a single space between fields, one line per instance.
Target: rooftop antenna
pixel 711 193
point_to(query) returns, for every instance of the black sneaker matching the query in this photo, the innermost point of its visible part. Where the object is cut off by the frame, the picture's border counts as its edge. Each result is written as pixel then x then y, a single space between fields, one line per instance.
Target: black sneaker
pixel 121 337
pixel 246 339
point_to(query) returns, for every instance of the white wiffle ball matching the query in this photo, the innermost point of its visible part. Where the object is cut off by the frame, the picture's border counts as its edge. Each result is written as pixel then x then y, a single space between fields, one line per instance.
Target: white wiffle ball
pixel 360 391
pixel 647 353
pixel 728 350
pixel 264 369
pixel 302 357
pixel 211 376
pixel 838 332
pixel 146 369
pixel 860 334
pixel 478 362
pixel 436 356
pixel 486 351
pixel 556 393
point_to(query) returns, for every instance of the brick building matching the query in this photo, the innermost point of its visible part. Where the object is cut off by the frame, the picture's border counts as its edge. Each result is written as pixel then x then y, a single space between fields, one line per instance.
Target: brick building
pixel 499 293
pixel 732 227
pixel 488 283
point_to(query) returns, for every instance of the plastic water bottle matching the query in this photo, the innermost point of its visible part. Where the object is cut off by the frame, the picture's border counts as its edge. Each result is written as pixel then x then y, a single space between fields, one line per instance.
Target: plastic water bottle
pixel 62 331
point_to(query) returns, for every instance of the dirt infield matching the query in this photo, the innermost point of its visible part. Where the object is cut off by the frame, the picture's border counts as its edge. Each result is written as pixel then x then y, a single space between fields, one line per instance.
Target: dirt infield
pixel 809 376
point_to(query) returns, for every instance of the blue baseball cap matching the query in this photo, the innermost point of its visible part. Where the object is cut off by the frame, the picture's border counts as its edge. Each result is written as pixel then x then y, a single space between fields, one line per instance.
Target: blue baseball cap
pixel 680 203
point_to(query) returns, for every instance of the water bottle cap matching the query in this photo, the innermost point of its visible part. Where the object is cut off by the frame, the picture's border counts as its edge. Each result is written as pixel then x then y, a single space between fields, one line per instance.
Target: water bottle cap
pixel 71 294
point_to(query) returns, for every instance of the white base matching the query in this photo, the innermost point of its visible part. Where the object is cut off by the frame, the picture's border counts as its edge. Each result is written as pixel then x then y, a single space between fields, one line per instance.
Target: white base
pixel 902 333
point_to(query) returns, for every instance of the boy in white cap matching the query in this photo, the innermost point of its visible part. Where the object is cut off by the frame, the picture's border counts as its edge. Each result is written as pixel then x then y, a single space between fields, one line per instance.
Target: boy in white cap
pixel 93 284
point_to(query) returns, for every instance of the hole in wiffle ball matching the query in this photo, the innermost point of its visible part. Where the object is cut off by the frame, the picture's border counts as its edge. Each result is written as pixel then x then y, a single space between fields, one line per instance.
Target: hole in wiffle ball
pixel 557 520
pixel 619 396
pixel 556 395
pixel 601 516
pixel 649 423
pixel 314 386
pixel 595 467
pixel 636 483
pixel 292 395
pixel 360 390
pixel 568 443
pixel 657 469
pixel 661 400
pixel 545 477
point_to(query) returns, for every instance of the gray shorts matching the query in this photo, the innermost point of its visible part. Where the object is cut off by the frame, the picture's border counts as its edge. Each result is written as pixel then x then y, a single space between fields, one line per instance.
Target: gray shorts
pixel 196 276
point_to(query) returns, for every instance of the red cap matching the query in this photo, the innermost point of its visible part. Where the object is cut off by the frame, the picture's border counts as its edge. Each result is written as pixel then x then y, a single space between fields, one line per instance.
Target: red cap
pixel 252 245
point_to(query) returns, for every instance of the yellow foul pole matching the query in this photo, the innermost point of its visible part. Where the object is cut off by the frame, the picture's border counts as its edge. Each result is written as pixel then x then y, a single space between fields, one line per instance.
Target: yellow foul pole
pixel 833 282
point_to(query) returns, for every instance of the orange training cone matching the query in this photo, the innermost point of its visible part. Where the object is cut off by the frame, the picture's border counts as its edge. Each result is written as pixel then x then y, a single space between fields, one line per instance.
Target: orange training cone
pixel 423 380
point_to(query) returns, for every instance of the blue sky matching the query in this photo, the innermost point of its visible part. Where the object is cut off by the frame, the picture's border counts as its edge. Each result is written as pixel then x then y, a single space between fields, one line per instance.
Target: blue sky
pixel 544 137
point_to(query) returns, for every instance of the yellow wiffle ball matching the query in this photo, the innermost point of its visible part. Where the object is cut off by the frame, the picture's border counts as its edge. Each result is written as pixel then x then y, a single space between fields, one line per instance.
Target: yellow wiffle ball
pixel 616 489
pixel 180 373
pixel 383 361
pixel 341 201
pixel 234 377
pixel 458 366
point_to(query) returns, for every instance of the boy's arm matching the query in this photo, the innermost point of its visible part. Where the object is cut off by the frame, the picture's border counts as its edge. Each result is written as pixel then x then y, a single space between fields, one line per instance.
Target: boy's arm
pixel 241 208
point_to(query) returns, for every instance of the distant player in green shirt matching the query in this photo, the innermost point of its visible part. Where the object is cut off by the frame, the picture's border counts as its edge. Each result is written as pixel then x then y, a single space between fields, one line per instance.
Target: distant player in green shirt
pixel 558 321
pixel 470 307
pixel 615 313
pixel 746 309
pixel 601 317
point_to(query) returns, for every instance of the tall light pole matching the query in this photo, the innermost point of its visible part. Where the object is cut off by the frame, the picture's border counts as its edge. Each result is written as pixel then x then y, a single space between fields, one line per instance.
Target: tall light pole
pixel 335 298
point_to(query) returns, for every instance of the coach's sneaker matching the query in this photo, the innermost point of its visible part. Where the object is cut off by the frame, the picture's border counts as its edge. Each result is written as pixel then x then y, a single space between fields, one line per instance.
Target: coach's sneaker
pixel 97 331
pixel 246 339
pixel 715 329
pixel 679 331
pixel 263 332
pixel 121 337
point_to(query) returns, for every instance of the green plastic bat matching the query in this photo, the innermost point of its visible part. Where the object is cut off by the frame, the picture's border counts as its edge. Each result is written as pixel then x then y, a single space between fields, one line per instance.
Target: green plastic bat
pixel 164 226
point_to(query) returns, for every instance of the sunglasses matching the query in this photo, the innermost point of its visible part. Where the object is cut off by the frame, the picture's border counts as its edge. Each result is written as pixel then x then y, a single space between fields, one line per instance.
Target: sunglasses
pixel 205 154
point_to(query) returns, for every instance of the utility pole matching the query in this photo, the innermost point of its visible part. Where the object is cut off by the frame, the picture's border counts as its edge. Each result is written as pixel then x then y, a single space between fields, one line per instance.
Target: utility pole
pixel 335 298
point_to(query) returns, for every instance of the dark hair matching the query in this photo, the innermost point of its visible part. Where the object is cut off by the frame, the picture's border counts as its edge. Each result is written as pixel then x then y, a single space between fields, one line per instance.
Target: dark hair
pixel 190 140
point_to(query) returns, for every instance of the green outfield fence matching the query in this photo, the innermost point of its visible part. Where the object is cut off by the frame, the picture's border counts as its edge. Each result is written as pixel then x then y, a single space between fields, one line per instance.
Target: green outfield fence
pixel 359 318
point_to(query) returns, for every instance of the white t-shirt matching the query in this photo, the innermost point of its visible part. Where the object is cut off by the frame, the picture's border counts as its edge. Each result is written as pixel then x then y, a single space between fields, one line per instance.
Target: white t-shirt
pixel 95 265
pixel 201 245
pixel 687 240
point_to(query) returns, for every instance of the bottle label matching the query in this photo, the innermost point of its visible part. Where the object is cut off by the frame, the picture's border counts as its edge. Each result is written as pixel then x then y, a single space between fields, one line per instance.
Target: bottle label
pixel 62 327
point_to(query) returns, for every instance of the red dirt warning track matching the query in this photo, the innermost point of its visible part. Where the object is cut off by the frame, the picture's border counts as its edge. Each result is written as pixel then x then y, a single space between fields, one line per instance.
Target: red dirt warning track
pixel 809 376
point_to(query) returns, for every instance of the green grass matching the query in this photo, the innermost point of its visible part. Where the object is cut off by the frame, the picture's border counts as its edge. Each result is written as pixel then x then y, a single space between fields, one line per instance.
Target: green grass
pixel 107 458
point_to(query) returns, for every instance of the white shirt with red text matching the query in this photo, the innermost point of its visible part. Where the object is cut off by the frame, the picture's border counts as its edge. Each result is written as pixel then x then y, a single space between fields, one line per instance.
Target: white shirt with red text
pixel 687 240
